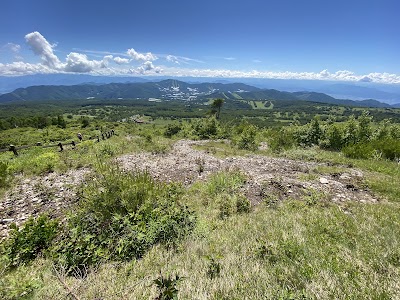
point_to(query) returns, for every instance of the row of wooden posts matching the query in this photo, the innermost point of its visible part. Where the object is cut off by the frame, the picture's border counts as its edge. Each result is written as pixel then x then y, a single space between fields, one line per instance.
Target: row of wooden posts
pixel 104 135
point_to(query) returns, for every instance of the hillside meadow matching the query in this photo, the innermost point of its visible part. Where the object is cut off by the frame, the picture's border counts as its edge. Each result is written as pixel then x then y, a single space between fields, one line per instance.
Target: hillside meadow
pixel 200 208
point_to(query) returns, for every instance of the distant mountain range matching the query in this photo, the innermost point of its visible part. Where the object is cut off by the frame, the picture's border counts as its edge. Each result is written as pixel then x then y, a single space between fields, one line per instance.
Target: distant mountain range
pixel 173 90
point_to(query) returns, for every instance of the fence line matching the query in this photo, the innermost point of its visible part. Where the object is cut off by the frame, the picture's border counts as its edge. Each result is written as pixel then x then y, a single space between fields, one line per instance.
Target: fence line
pixel 14 149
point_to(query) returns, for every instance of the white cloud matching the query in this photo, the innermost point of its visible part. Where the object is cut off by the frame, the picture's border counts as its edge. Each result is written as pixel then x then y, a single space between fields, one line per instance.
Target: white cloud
pixel 21 68
pixel 14 48
pixel 172 58
pixel 342 75
pixel 41 47
pixel 229 58
pixel 148 66
pixel 141 56
pixel 324 73
pixel 79 63
pixel 257 61
pixel 120 61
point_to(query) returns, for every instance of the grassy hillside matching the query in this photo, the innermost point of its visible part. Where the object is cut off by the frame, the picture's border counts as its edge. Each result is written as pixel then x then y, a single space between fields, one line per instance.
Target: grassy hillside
pixel 203 209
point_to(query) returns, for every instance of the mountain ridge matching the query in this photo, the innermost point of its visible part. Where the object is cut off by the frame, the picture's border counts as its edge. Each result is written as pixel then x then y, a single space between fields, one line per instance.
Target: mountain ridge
pixel 172 89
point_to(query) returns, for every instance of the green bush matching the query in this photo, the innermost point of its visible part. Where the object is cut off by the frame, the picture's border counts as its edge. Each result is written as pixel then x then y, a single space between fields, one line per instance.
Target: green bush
pixel 45 162
pixel 172 129
pixel 384 148
pixel 389 148
pixel 206 128
pixel 334 139
pixel 283 139
pixel 121 216
pixel 359 151
pixel 27 243
pixel 246 139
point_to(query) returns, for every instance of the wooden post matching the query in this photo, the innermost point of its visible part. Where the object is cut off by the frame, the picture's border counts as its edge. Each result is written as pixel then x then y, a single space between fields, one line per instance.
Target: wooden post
pixel 102 136
pixel 98 139
pixel 14 150
pixel 61 147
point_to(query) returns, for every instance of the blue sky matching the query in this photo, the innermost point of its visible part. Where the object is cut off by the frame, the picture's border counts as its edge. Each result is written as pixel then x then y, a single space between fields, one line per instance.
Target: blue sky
pixel 308 39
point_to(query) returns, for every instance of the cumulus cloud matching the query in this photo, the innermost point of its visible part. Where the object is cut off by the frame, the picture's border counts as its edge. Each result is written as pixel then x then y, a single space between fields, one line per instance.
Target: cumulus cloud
pixel 79 63
pixel 74 62
pixel 41 47
pixel 141 56
pixel 22 68
pixel 121 61
pixel 148 66
pixel 108 64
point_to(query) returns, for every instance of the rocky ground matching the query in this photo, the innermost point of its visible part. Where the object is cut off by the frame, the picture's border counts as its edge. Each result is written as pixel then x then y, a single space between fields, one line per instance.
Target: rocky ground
pixel 51 194
pixel 268 178
pixel 266 175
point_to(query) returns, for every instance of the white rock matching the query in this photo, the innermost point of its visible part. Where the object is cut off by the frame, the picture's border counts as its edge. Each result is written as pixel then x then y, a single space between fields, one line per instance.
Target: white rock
pixel 323 180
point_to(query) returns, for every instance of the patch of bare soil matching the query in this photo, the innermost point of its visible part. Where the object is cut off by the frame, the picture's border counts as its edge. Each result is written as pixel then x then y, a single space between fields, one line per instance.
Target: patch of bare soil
pixel 51 194
pixel 267 176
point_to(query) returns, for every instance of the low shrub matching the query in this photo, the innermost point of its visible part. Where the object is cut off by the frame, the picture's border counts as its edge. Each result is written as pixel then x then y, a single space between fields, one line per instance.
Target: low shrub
pixel 172 129
pixel 45 162
pixel 383 148
pixel 359 151
pixel 25 244
pixel 121 216
pixel 246 139
pixel 283 139
pixel 389 148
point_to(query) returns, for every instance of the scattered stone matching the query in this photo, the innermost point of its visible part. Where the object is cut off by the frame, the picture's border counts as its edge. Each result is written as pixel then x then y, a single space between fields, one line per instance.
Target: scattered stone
pixel 38 195
pixel 5 221
pixel 323 180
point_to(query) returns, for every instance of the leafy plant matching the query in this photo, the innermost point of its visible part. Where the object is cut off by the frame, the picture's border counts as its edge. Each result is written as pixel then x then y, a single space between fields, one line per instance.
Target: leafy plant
pixel 121 216
pixel 214 266
pixel 167 287
pixel 243 204
pixel 27 243
pixel 172 129
pixel 247 138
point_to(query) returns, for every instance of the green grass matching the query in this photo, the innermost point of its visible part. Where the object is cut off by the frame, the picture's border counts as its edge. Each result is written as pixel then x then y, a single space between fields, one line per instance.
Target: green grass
pixel 289 252
pixel 303 248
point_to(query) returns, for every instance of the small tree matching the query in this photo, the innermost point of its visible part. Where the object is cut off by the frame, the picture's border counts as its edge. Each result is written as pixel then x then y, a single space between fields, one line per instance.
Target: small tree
pixel 364 128
pixel 315 132
pixel 216 106
pixel 85 122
